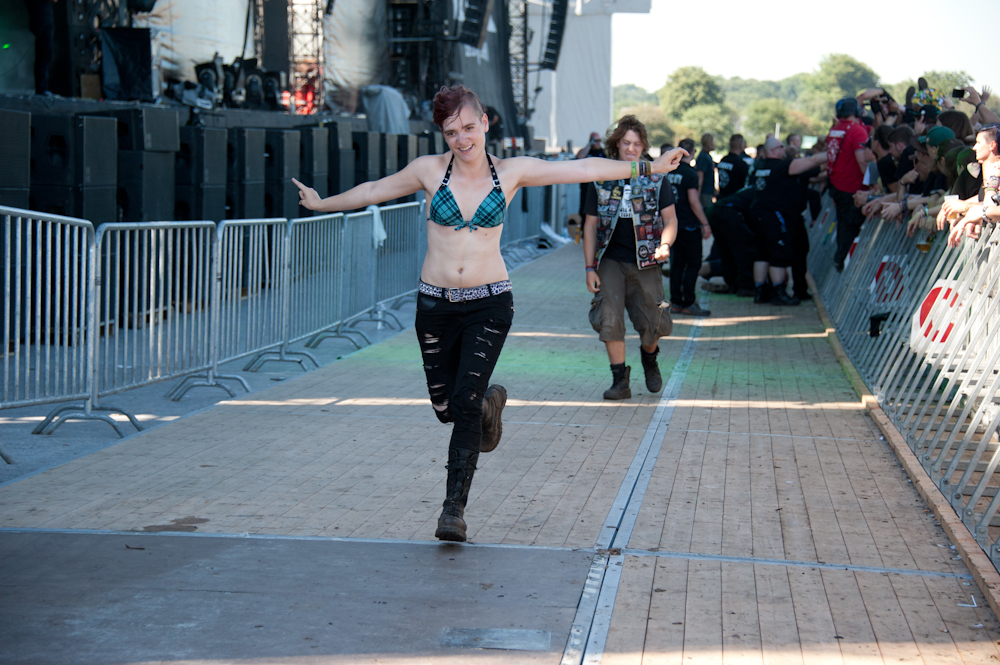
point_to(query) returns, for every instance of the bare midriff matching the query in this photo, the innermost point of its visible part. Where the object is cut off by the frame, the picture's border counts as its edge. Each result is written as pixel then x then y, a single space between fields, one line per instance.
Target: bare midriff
pixel 462 259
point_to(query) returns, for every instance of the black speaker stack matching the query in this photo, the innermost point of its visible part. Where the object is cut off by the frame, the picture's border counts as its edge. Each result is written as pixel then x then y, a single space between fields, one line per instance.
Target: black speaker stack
pixel 341 156
pixel 314 165
pixel 200 174
pixel 74 167
pixel 15 158
pixel 367 162
pixel 245 173
pixel 281 163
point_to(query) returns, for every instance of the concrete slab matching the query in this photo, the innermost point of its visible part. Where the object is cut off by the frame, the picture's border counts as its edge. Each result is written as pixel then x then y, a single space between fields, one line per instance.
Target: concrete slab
pixel 98 598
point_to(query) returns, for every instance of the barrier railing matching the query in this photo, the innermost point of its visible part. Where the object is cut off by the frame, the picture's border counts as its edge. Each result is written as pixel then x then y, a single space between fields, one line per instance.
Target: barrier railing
pixel 921 323
pixel 89 314
pixel 46 278
pixel 153 299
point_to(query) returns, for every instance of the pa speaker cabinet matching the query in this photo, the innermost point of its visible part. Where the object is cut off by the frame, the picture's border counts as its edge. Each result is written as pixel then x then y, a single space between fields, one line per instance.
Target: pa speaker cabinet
pixel 201 158
pixel 94 204
pixel 79 150
pixel 195 203
pixel 388 154
pixel 314 158
pixel 148 128
pixel 14 197
pixel 15 149
pixel 146 185
pixel 281 199
pixel 281 154
pixel 245 200
pixel 245 155
pixel 366 157
pixel 341 157
pixel 407 150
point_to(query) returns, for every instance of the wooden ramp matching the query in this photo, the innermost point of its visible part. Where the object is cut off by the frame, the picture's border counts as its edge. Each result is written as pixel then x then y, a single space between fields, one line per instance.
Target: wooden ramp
pixel 749 513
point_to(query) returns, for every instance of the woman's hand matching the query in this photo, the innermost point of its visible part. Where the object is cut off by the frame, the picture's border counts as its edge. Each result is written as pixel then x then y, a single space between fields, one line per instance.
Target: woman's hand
pixel 968 225
pixel 872 208
pixel 953 208
pixel 942 219
pixel 308 197
pixel 593 281
pixel 915 222
pixel 909 177
pixel 893 211
pixel 670 160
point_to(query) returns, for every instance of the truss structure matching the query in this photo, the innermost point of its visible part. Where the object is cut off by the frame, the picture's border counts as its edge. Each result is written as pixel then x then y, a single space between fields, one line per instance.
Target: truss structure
pixel 305 28
pixel 517 45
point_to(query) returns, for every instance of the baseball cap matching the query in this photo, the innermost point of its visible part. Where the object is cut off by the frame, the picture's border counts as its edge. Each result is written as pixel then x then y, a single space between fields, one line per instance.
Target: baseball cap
pixel 846 107
pixel 936 136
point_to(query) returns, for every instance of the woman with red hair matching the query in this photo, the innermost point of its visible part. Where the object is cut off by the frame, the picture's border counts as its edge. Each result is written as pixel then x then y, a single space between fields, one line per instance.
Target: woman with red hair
pixel 464 305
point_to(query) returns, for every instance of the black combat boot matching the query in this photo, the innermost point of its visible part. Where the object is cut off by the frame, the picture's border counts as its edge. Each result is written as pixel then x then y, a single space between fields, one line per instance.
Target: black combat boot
pixel 493 403
pixel 461 468
pixel 653 379
pixel 619 389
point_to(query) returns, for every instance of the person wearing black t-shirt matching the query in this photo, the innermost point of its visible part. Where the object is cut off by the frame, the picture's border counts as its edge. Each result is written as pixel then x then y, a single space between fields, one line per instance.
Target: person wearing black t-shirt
pixel 734 167
pixel 705 166
pixel 734 240
pixel 628 230
pixel 692 227
pixel 777 193
pixel 886 165
pixel 592 149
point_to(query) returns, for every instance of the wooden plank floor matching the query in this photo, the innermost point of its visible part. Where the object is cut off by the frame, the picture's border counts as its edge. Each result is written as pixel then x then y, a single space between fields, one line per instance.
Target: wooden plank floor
pixel 768 456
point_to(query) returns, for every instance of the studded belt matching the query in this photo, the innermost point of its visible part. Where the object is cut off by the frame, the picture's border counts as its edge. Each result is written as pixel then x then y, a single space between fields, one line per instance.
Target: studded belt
pixel 470 293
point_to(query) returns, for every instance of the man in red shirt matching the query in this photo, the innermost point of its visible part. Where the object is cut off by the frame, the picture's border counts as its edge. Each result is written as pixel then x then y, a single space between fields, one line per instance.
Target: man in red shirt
pixel 846 156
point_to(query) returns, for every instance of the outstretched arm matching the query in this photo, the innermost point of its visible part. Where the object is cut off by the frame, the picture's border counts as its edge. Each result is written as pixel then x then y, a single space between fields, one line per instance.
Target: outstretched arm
pixel 803 164
pixel 534 172
pixel 402 183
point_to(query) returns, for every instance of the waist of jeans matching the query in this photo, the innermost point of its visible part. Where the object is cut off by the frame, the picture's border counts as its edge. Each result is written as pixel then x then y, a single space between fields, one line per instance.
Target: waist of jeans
pixel 464 293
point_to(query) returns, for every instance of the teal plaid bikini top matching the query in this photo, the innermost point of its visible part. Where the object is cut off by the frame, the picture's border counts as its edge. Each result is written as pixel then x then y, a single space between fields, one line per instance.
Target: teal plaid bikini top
pixel 490 213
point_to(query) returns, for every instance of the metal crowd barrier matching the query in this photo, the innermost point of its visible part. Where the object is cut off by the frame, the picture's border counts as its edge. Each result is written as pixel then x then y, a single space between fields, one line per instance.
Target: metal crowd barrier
pixel 46 279
pixel 49 283
pixel 921 323
pixel 89 314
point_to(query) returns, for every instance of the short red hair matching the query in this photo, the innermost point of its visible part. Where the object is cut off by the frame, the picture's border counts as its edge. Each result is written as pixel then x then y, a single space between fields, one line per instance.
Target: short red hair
pixel 449 101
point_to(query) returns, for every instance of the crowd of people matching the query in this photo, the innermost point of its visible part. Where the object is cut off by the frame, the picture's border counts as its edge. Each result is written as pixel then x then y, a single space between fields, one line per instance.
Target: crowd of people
pixel 930 161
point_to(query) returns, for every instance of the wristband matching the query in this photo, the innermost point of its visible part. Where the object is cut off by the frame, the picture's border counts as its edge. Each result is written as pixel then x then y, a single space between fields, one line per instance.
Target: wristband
pixel 590 269
pixel 634 169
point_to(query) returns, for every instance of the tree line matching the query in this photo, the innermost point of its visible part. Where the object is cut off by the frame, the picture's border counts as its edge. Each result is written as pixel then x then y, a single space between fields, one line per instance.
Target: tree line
pixel 693 102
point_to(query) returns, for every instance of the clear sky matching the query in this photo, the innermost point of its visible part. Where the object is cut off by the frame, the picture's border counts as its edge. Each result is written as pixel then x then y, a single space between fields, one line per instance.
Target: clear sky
pixel 772 39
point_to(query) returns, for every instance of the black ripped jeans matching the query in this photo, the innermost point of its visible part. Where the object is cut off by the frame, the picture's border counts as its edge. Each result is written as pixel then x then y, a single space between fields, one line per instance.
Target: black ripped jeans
pixel 460 343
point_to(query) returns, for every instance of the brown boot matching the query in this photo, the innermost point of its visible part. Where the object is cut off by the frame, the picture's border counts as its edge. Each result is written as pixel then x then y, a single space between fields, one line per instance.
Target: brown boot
pixel 461 468
pixel 493 403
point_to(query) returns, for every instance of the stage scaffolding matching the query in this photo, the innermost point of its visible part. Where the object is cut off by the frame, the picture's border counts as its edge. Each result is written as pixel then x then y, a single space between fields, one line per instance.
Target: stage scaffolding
pixel 305 28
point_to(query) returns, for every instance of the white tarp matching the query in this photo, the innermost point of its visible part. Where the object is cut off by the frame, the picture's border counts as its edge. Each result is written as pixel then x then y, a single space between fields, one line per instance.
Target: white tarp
pixel 186 33
pixel 355 49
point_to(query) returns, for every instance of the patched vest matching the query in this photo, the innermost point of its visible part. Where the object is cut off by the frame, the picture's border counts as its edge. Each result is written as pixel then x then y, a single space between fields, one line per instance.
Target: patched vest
pixel 646 220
